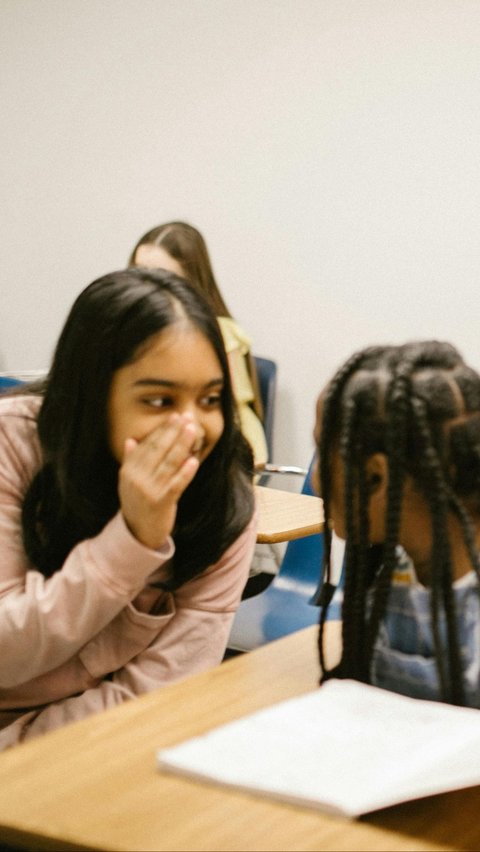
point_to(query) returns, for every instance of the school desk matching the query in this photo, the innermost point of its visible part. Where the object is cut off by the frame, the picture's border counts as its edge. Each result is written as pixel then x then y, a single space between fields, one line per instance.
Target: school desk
pixel 94 784
pixel 286 515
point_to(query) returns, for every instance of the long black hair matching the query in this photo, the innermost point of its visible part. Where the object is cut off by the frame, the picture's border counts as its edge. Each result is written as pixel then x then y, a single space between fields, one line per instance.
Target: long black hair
pixel 74 494
pixel 420 405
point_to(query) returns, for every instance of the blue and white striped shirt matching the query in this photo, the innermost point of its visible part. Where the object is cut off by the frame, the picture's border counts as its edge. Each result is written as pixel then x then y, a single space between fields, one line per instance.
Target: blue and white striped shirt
pixel 404 655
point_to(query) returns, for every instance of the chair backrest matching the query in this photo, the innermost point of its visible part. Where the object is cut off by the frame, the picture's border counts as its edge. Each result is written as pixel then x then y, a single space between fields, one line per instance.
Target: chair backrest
pixel 302 561
pixel 7 382
pixel 267 382
pixel 288 603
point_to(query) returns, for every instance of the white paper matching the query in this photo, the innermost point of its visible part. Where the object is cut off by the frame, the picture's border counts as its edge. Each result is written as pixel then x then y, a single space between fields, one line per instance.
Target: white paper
pixel 346 748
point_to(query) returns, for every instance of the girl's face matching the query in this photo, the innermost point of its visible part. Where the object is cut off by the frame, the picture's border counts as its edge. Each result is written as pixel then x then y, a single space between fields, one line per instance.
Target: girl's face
pixel 177 372
pixel 155 257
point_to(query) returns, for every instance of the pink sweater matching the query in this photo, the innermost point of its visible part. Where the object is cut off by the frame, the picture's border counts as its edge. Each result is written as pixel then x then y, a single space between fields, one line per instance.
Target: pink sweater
pixel 99 615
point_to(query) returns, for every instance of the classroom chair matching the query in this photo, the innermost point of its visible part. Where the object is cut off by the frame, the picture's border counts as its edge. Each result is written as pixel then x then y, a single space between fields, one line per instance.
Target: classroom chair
pixel 287 604
pixel 267 384
pixel 266 371
pixel 7 382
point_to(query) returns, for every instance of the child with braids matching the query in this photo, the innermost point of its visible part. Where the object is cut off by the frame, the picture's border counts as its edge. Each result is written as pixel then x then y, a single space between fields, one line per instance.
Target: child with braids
pixel 398 436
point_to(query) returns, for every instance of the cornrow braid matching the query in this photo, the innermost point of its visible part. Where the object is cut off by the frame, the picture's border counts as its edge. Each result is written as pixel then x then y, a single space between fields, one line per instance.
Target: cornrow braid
pixel 352 628
pixel 327 439
pixel 419 404
pixel 437 497
pixel 396 413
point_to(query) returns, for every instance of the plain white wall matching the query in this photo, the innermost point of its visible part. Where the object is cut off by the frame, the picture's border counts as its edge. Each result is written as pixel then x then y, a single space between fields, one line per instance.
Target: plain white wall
pixel 327 149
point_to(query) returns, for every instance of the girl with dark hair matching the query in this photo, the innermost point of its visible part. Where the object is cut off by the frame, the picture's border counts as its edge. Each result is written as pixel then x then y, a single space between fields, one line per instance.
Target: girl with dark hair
pixel 127 520
pixel 180 248
pixel 398 436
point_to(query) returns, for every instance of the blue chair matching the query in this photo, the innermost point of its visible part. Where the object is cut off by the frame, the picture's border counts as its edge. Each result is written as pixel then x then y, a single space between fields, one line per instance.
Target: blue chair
pixel 287 604
pixel 267 384
pixel 8 382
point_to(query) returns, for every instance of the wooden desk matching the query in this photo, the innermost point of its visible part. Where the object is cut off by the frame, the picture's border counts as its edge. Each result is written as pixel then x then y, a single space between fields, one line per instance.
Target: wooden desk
pixel 285 515
pixel 94 784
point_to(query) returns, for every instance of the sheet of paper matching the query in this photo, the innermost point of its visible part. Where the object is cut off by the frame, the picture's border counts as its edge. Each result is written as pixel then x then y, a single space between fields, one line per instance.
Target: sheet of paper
pixel 346 748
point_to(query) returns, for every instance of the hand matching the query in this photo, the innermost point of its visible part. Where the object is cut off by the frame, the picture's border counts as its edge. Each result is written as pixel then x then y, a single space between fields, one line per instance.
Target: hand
pixel 154 474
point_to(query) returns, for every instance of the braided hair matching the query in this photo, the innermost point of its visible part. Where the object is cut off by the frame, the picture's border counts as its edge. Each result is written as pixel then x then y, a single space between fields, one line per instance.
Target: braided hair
pixel 419 404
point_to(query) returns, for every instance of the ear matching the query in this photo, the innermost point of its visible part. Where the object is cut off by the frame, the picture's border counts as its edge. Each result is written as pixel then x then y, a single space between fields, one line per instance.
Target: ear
pixel 376 470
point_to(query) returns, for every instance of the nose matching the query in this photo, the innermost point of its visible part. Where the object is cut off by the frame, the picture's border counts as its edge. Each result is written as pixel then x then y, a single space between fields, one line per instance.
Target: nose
pixel 192 413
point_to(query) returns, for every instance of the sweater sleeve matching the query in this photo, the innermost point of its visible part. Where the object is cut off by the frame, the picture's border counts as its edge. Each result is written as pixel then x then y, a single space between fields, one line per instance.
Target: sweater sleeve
pixel 193 640
pixel 44 622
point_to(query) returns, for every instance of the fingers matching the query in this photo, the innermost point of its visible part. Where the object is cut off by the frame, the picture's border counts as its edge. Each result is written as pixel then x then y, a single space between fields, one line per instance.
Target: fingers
pixel 154 474
pixel 169 441
pixel 160 457
pixel 130 445
pixel 184 476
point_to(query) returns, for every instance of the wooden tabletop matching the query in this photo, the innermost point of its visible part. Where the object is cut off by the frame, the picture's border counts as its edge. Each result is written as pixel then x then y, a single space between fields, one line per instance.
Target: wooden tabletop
pixel 286 515
pixel 95 785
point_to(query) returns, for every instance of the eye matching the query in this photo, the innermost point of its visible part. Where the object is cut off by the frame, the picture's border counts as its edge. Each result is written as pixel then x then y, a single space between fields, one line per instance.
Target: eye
pixel 211 400
pixel 158 401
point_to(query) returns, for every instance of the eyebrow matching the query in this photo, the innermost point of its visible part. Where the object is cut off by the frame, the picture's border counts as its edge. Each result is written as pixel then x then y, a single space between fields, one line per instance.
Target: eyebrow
pixel 167 383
